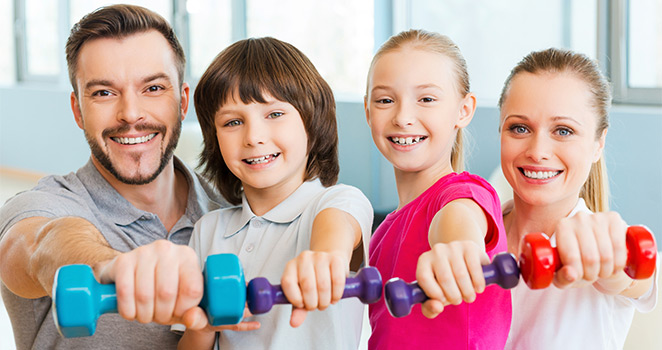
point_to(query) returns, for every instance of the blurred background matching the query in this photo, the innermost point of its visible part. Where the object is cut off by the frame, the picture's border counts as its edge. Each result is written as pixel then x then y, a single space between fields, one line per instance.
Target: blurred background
pixel 38 134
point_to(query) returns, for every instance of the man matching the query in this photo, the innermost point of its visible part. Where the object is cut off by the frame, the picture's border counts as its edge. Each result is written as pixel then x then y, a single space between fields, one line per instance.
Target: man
pixel 130 210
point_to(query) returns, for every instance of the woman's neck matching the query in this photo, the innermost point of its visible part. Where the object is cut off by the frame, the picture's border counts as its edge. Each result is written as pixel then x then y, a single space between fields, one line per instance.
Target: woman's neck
pixel 410 184
pixel 527 218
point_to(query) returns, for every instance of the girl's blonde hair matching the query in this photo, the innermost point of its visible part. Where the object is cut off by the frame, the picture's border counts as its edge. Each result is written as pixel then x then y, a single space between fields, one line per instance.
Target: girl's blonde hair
pixel 596 188
pixel 438 43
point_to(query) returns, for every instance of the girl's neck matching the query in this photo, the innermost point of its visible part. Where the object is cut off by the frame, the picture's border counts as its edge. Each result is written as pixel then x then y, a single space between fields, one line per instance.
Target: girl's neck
pixel 527 218
pixel 411 184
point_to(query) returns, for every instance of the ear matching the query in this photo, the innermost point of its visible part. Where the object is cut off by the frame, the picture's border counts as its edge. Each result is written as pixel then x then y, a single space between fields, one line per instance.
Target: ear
pixel 184 99
pixel 75 108
pixel 601 146
pixel 467 109
pixel 365 108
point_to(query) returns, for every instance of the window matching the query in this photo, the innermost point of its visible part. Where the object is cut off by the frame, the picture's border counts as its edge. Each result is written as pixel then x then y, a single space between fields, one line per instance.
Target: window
pixel 636 52
pixel 494 37
pixel 209 32
pixel 7 60
pixel 38 49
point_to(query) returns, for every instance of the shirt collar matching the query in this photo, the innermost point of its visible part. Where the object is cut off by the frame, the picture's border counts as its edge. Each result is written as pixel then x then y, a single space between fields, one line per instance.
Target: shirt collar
pixel 123 213
pixel 285 212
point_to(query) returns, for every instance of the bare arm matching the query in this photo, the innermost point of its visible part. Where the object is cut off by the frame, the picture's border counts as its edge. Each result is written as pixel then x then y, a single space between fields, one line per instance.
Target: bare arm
pixel 34 248
pixel 461 219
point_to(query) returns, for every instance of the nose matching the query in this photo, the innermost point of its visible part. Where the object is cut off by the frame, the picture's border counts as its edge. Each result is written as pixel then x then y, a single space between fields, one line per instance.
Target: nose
pixel 131 110
pixel 539 147
pixel 255 133
pixel 404 115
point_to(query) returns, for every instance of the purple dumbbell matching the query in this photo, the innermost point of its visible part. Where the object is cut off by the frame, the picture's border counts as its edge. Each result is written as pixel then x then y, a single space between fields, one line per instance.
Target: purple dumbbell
pixel 365 285
pixel 401 296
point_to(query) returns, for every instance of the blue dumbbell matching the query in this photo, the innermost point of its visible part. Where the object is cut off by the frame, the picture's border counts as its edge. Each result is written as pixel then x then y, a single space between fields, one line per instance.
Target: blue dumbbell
pixel 79 300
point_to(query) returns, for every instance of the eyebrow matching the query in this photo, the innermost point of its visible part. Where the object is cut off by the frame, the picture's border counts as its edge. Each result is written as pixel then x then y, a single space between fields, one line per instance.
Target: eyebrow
pixel 556 118
pixel 420 87
pixel 106 82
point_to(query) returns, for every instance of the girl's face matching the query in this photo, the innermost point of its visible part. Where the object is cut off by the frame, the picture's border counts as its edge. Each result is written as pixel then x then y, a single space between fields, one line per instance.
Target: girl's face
pixel 548 137
pixel 263 144
pixel 414 109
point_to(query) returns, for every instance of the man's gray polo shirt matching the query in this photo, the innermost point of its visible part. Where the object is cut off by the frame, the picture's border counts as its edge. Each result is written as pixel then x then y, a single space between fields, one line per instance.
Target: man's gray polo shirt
pixel 88 195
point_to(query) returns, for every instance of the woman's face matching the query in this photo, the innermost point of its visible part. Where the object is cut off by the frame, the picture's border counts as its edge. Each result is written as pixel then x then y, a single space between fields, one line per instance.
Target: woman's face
pixel 548 137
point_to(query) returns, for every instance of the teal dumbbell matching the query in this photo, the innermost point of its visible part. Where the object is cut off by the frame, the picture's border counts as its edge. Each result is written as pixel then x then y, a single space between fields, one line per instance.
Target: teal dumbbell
pixel 79 300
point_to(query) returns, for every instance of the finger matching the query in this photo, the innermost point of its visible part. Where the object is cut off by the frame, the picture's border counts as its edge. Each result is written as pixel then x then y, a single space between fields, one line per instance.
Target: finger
pixel 339 273
pixel 123 273
pixel 191 285
pixel 473 260
pixel 426 279
pixel 322 270
pixel 445 270
pixel 239 327
pixel 431 308
pixel 298 316
pixel 307 281
pixel 565 277
pixel 568 247
pixel 290 284
pixel 590 255
pixel 166 293
pixel 604 246
pixel 617 232
pixel 144 292
pixel 195 318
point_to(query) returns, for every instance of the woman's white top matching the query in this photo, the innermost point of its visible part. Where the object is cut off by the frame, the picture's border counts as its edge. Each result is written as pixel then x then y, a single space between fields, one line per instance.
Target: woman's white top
pixel 572 318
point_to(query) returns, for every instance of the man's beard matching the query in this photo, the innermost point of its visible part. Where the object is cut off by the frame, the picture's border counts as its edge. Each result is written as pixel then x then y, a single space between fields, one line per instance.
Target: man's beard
pixel 104 159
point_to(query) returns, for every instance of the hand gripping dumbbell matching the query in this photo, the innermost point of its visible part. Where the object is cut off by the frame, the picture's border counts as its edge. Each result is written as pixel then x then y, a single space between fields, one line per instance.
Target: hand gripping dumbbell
pixel 400 296
pixel 539 261
pixel 365 285
pixel 79 300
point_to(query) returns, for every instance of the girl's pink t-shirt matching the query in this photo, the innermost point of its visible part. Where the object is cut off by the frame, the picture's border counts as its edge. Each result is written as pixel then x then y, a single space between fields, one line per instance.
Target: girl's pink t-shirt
pixel 394 249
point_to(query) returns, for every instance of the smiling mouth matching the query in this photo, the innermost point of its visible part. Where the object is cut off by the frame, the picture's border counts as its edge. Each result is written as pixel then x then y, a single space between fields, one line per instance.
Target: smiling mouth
pixel 539 175
pixel 133 140
pixel 261 160
pixel 407 141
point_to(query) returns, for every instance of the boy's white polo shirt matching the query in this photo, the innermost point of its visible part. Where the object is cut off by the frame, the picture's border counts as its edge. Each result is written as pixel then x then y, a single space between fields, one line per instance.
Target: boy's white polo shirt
pixel 264 245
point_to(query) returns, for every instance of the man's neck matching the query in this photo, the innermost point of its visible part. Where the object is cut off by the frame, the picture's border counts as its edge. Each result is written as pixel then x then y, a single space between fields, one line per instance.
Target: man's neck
pixel 166 196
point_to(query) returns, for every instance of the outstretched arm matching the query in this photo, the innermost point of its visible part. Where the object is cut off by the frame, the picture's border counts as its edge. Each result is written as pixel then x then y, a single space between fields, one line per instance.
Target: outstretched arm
pixel 316 278
pixel 34 248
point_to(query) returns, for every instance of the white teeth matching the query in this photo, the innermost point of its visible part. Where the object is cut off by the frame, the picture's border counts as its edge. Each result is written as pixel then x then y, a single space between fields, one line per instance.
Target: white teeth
pixel 542 175
pixel 263 159
pixel 133 140
pixel 406 141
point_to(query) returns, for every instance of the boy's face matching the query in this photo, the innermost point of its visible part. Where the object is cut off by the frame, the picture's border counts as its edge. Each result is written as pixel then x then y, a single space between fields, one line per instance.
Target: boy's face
pixel 264 145
pixel 129 105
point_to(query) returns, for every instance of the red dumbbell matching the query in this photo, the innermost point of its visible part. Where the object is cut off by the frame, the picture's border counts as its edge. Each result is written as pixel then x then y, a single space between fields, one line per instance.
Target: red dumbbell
pixel 538 260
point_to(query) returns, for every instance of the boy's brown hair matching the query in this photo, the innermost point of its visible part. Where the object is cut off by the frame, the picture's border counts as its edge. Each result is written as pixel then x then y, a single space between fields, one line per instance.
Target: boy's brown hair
pixel 250 69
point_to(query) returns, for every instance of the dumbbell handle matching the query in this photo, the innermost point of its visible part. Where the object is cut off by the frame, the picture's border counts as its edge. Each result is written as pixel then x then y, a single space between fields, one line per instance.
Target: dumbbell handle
pixel 401 296
pixel 262 295
pixel 539 260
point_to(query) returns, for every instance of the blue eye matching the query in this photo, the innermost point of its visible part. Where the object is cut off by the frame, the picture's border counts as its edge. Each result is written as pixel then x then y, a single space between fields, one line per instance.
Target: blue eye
pixel 518 129
pixel 233 122
pixel 274 115
pixel 564 132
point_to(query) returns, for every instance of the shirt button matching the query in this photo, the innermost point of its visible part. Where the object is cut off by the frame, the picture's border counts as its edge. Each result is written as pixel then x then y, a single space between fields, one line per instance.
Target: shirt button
pixel 256 224
pixel 250 247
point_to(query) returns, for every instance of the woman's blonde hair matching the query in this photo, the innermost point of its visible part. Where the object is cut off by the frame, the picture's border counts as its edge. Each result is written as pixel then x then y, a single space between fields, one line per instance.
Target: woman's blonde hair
pixel 596 188
pixel 438 43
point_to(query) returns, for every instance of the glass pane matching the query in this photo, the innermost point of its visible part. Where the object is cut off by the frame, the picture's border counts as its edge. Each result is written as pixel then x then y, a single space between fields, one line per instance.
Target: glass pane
pixel 7 58
pixel 337 36
pixel 42 46
pixel 494 35
pixel 210 31
pixel 79 8
pixel 645 44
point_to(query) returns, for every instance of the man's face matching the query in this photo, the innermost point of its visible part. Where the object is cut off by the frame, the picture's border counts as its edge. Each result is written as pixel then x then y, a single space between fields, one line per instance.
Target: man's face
pixel 129 104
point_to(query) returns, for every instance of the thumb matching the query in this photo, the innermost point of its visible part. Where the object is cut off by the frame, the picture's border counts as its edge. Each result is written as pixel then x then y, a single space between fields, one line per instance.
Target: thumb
pixel 566 276
pixel 195 318
pixel 298 316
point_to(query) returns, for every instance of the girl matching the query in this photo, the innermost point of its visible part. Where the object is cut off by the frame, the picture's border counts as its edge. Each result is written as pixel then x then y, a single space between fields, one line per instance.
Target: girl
pixel 447 224
pixel 553 129
pixel 270 146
